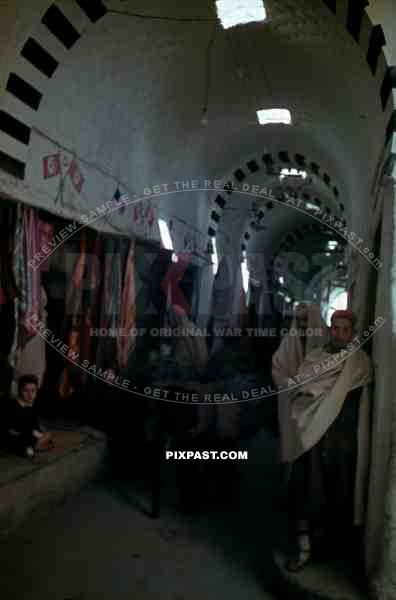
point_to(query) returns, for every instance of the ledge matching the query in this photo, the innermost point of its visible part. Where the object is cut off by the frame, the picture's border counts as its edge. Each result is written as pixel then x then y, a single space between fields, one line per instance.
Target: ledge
pixel 30 487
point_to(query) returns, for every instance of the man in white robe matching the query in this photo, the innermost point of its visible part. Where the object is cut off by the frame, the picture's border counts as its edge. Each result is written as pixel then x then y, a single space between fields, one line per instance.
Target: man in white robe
pixel 329 403
pixel 307 332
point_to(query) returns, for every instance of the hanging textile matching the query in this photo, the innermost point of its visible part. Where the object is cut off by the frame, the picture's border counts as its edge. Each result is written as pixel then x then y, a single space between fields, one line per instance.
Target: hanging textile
pixel 8 295
pixel 8 287
pixel 31 359
pixel 126 344
pixel 106 355
pixel 28 349
pixel 19 271
pixel 33 247
pixel 69 375
pixel 90 303
pixel 27 280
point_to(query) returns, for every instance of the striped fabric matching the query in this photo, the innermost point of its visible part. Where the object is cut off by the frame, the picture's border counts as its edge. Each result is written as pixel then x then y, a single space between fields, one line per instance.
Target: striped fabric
pixel 126 344
pixel 90 303
pixel 18 264
pixel 111 300
pixel 70 373
pixel 32 247
pixel 26 245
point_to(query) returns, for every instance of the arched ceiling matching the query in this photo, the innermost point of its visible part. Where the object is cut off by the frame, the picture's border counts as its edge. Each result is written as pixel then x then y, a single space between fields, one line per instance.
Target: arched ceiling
pixel 259 211
pixel 128 93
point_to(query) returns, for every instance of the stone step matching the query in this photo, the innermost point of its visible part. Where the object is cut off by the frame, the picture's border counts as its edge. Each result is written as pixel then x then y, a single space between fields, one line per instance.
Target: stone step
pixel 30 488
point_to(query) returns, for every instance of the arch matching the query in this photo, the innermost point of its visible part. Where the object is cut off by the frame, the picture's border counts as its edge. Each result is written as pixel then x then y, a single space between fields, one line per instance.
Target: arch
pixel 67 34
pixel 371 40
pixel 272 164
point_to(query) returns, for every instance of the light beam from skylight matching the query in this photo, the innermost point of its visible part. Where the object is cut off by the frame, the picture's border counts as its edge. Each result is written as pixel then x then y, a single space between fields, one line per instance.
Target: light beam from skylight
pixel 215 257
pixel 245 276
pixel 165 234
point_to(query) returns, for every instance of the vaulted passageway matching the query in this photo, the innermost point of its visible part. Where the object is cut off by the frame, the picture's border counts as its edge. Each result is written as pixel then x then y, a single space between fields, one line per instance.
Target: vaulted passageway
pixel 100 100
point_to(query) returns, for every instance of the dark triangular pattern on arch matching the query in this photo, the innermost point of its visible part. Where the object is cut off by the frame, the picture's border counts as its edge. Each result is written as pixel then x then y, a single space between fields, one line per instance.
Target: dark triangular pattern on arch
pixel 60 26
pixel 22 90
pixel 355 17
pixel 377 41
pixel 239 175
pixel 14 127
pixel 331 4
pixel 220 201
pixel 391 128
pixel 387 85
pixel 39 57
pixel 94 9
pixel 253 166
pixel 12 165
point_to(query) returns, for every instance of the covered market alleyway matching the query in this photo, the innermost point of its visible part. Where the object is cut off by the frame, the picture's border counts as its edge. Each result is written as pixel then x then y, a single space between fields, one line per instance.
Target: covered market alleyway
pixel 159 155
pixel 100 544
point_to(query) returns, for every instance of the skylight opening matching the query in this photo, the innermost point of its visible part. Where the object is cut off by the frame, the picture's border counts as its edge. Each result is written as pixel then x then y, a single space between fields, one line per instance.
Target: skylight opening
pixel 274 115
pixel 292 173
pixel 240 12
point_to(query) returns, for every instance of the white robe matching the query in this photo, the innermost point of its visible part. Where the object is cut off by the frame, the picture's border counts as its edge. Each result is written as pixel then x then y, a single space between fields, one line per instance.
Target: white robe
pixel 317 403
pixel 285 364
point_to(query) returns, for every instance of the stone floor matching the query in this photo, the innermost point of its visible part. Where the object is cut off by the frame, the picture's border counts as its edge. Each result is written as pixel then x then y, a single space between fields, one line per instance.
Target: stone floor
pixel 101 545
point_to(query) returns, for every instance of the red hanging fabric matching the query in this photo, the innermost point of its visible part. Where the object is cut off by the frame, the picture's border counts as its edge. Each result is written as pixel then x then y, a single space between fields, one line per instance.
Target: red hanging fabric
pixel 126 344
pixel 73 307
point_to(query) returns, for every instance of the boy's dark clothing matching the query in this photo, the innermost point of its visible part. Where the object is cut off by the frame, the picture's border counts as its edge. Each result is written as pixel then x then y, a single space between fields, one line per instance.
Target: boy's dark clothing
pixel 24 420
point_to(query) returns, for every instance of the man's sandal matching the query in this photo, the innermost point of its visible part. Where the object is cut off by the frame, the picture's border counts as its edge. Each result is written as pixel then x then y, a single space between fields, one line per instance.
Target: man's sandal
pixel 294 565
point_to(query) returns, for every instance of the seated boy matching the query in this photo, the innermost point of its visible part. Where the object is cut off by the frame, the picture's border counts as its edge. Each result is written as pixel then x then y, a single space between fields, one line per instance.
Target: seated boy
pixel 23 429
